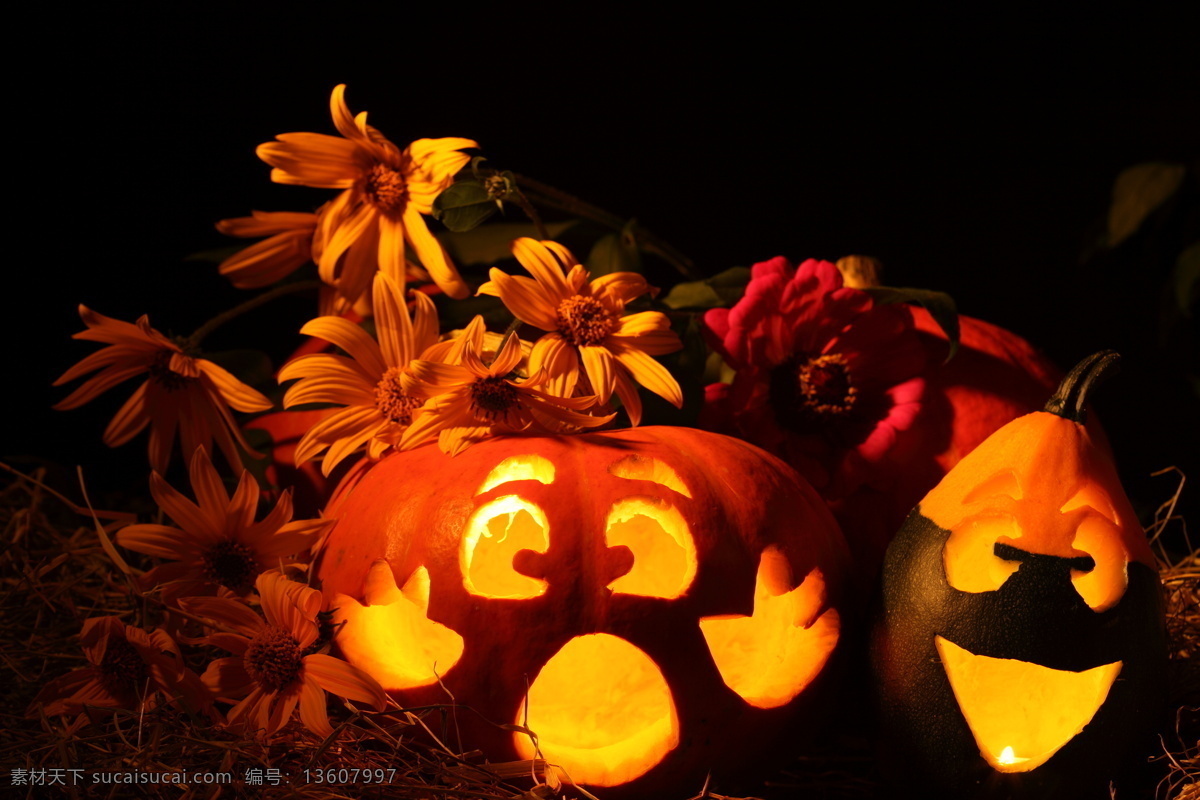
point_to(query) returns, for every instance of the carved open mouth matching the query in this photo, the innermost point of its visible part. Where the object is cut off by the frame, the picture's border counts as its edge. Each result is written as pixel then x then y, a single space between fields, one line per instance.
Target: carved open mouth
pixel 601 710
pixel 1022 713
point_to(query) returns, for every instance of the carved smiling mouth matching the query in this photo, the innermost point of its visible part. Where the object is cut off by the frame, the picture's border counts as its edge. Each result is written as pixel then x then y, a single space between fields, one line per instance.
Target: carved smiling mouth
pixel 1022 713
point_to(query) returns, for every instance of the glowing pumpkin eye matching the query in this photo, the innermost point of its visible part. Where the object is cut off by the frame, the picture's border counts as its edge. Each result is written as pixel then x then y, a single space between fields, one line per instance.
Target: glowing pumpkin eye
pixel 503 527
pixel 664 555
pixel 1102 586
pixel 1098 535
pixel 654 531
pixel 972 559
pixel 495 533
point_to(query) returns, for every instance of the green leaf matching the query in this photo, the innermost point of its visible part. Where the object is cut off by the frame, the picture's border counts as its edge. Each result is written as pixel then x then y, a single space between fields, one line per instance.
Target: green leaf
pixel 722 289
pixel 939 305
pixel 1138 191
pixel 492 243
pixel 614 252
pixel 1186 279
pixel 463 206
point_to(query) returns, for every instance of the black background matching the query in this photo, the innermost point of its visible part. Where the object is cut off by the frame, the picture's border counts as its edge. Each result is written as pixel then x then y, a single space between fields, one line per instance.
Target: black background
pixel 971 154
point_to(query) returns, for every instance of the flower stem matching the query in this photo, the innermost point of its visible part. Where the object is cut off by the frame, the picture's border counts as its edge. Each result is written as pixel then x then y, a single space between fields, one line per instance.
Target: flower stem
pixel 204 330
pixel 523 203
pixel 556 198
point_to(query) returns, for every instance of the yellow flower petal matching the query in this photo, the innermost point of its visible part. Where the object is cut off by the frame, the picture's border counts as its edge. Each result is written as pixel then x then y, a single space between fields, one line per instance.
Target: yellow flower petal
pixel 130 420
pixel 543 264
pixel 343 333
pixel 559 361
pixel 206 483
pixel 598 363
pixel 344 680
pixel 649 373
pixel 630 399
pixel 621 287
pixel 312 707
pixel 234 392
pixel 392 324
pixel 432 256
pixel 312 159
pixel 526 299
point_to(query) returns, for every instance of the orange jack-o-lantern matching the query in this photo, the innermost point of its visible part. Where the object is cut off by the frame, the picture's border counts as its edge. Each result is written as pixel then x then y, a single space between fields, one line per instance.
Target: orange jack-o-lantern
pixel 1020 646
pixel 651 603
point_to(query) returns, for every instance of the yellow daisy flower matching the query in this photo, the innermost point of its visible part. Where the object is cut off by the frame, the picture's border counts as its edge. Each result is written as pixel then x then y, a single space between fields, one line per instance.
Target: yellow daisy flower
pixel 470 400
pixel 587 326
pixel 386 191
pixel 273 670
pixel 367 382
pixel 215 542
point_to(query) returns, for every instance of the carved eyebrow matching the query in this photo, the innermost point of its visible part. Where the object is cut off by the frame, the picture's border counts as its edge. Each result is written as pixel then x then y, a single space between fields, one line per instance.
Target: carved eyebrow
pixel 518 468
pixel 1003 483
pixel 1089 498
pixel 641 468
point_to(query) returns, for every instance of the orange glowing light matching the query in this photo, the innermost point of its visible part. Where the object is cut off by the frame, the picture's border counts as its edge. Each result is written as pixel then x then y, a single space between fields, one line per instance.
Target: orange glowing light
pixel 390 636
pixel 664 555
pixel 1015 707
pixel 601 711
pixel 768 658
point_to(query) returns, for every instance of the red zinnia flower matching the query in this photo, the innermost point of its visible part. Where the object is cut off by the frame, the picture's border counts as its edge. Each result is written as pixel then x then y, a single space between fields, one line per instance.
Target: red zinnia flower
pixel 824 378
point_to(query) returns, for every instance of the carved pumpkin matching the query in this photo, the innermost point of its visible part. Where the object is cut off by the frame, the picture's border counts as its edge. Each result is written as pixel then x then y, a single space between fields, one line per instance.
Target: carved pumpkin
pixel 1020 649
pixel 652 603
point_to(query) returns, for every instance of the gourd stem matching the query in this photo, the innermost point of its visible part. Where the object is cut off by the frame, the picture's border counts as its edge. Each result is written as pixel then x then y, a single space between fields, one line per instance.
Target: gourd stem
pixel 1070 400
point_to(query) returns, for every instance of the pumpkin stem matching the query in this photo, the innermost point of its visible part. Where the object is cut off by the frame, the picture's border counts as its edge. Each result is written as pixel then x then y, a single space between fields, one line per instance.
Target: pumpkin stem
pixel 1070 401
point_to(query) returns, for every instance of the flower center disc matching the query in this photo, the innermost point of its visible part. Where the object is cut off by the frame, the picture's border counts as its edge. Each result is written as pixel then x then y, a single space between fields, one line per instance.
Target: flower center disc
pixel 809 393
pixel 232 564
pixel 122 668
pixel 273 659
pixel 391 400
pixel 162 374
pixel 385 188
pixel 824 385
pixel 491 398
pixel 584 320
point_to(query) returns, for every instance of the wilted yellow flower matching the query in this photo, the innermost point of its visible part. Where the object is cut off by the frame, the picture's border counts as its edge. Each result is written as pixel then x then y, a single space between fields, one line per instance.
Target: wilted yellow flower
pixel 472 400
pixel 182 395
